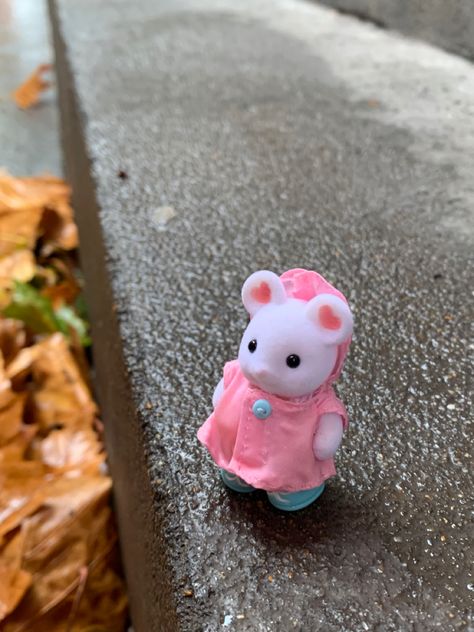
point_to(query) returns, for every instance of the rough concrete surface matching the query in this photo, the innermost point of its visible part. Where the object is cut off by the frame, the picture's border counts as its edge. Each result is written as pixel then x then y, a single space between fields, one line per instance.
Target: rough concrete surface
pixel 447 23
pixel 29 139
pixel 283 135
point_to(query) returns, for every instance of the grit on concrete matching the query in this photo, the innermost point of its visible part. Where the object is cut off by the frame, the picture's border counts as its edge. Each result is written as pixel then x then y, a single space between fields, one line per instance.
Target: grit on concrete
pixel 29 141
pixel 283 135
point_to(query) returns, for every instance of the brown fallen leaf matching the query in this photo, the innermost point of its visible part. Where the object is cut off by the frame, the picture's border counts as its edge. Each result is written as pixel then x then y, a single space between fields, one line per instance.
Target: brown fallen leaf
pixel 59 279
pixel 69 560
pixel 103 604
pixel 71 450
pixel 20 215
pixel 46 276
pixel 59 565
pixel 64 265
pixel 56 582
pixel 14 581
pixel 71 506
pixel 11 407
pixel 94 600
pixel 28 94
pixel 69 530
pixel 12 338
pixel 15 449
pixel 35 207
pixel 11 411
pixel 59 396
pixel 21 365
pixel 62 293
pixel 58 229
pixel 22 491
pixel 17 266
pixel 57 225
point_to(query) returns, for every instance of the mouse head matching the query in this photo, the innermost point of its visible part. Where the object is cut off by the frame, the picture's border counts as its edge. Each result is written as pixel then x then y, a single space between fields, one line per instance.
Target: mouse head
pixel 291 346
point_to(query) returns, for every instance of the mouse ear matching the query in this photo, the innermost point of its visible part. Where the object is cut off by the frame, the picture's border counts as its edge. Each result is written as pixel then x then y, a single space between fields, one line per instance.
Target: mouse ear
pixel 260 289
pixel 332 317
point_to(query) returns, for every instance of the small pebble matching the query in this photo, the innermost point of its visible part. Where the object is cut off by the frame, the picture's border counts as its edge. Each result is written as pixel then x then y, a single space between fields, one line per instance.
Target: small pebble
pixel 162 215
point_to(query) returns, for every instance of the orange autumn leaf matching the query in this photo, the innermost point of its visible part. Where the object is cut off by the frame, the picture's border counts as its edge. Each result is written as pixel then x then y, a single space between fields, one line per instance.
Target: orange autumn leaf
pixel 57 226
pixel 11 411
pixel 22 490
pixel 59 396
pixel 67 501
pixel 103 603
pixel 20 215
pixel 61 293
pixel 15 449
pixel 14 581
pixel 58 229
pixel 61 285
pixel 55 582
pixel 46 276
pixel 21 365
pixel 58 565
pixel 28 94
pixel 92 598
pixel 35 207
pixel 17 266
pixel 58 543
pixel 11 407
pixel 71 450
pixel 12 338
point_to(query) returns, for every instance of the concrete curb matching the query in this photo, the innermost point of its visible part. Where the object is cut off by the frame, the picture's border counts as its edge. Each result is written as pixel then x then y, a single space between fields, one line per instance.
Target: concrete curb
pixel 273 151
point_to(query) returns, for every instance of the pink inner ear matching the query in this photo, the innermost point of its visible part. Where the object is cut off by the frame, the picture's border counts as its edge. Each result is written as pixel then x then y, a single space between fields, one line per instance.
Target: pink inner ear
pixel 261 293
pixel 328 319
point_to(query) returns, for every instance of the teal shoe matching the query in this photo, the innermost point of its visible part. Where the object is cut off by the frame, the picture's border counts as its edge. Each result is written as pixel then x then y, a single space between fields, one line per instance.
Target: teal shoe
pixel 292 501
pixel 235 483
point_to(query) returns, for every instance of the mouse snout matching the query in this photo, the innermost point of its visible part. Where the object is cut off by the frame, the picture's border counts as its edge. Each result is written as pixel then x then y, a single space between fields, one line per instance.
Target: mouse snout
pixel 261 372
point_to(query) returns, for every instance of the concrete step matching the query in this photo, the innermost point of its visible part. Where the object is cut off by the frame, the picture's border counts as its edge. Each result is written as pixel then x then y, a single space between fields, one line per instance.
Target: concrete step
pixel 282 134
pixel 446 24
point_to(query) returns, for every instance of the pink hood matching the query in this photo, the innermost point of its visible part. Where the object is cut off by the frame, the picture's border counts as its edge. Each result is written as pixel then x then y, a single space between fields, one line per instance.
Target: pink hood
pixel 305 285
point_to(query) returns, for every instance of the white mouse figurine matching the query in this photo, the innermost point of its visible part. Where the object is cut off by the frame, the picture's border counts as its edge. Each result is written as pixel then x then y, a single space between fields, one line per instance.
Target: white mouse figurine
pixel 277 422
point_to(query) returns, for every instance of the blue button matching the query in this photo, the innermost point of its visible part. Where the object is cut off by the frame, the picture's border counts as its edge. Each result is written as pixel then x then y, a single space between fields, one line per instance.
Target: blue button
pixel 262 409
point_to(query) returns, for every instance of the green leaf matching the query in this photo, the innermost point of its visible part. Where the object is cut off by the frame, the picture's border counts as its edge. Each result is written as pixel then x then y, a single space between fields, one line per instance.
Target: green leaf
pixel 68 319
pixel 29 306
pixel 36 311
pixel 81 308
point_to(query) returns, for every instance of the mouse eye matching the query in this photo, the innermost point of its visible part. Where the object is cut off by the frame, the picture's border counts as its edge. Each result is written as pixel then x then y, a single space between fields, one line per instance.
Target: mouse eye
pixel 293 361
pixel 252 345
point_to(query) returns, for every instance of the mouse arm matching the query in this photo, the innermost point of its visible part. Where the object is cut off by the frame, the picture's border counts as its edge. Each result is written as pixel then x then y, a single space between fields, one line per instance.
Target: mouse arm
pixel 218 393
pixel 328 436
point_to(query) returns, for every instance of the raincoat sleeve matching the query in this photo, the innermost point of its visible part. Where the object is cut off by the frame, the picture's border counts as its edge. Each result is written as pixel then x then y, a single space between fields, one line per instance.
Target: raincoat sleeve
pixel 230 371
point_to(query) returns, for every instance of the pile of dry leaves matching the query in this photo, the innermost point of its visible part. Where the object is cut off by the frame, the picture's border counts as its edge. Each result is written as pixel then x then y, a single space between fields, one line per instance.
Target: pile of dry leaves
pixel 58 543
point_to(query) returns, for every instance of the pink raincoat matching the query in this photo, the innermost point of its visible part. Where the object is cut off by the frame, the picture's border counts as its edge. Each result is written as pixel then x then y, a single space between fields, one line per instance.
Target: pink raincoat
pixel 276 453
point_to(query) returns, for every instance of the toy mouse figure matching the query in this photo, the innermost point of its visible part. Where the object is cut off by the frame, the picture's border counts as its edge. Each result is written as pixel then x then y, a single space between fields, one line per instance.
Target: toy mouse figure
pixel 277 422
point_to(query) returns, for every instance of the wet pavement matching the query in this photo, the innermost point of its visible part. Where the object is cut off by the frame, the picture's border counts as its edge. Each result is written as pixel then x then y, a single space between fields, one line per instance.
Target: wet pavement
pixel 282 135
pixel 29 141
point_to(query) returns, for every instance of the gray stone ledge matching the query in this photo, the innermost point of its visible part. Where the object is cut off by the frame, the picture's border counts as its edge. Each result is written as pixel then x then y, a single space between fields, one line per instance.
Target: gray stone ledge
pixel 446 23
pixel 283 135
